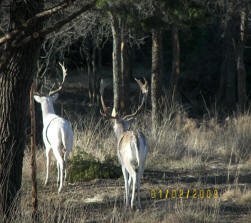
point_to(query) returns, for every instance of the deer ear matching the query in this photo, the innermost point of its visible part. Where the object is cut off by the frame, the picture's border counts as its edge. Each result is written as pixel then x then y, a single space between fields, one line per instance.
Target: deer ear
pixel 37 98
pixel 54 97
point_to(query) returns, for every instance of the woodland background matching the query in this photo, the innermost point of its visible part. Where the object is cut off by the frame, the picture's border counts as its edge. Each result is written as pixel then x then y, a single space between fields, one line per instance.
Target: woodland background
pixel 195 55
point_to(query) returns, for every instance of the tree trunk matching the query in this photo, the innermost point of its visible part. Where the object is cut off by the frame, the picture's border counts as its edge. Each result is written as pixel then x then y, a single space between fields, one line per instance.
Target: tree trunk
pixel 94 73
pixel 89 74
pixel 125 68
pixel 241 71
pixel 116 60
pixel 156 78
pixel 15 84
pixel 226 95
pixel 131 61
pixel 99 58
pixel 34 200
pixel 175 63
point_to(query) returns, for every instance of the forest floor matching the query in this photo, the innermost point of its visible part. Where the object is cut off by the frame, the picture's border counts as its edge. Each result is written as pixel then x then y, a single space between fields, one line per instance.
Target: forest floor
pixel 197 196
pixel 194 172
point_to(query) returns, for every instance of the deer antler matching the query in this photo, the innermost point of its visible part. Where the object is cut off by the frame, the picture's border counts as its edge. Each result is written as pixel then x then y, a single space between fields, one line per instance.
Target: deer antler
pixel 36 91
pixel 105 113
pixel 64 71
pixel 144 90
pixel 143 87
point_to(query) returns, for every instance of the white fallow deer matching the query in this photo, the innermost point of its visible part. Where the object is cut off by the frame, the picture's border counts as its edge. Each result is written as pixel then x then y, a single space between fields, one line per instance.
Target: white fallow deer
pixel 57 133
pixel 132 146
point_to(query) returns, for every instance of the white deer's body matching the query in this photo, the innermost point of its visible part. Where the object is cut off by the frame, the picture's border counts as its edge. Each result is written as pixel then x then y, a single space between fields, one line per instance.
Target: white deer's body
pixel 132 146
pixel 132 149
pixel 57 135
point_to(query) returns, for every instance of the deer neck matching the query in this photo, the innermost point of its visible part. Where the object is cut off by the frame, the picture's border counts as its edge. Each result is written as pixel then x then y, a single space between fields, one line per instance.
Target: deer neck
pixel 47 110
pixel 119 130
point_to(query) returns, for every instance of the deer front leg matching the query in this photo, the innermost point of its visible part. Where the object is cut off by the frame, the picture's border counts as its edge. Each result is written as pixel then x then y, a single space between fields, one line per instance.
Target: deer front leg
pixel 130 186
pixel 134 176
pixel 58 174
pixel 66 165
pixel 138 188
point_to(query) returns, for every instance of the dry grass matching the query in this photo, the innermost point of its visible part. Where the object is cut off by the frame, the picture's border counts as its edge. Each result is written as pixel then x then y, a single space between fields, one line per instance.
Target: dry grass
pixel 181 143
pixel 189 144
pixel 236 196
pixel 94 136
pixel 177 212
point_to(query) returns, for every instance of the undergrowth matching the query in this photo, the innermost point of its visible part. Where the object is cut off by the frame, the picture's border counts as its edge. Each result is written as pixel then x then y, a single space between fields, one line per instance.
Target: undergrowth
pixel 181 143
pixel 85 167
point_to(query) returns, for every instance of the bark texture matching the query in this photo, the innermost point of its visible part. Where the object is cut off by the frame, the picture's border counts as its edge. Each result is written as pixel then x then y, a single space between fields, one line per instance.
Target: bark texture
pixel 15 83
pixel 116 61
pixel 125 68
pixel 156 95
pixel 175 62
pixel 227 89
pixel 241 71
pixel 34 200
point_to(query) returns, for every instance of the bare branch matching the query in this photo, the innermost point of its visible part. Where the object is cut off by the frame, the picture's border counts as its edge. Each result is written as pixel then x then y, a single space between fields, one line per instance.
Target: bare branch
pixel 42 33
pixel 26 24
pixel 23 38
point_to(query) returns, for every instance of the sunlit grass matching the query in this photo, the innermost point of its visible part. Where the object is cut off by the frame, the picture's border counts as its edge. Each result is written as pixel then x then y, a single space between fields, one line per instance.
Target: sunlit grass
pixel 182 143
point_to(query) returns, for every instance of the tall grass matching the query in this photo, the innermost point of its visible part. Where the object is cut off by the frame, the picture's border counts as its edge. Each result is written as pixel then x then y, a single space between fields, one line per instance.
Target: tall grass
pixel 94 136
pixel 181 143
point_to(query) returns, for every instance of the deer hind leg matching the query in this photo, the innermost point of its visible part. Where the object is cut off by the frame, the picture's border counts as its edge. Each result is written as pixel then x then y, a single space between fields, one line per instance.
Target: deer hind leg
pixel 130 185
pixel 125 174
pixel 47 153
pixel 61 175
pixel 133 175
pixel 60 165
pixel 68 147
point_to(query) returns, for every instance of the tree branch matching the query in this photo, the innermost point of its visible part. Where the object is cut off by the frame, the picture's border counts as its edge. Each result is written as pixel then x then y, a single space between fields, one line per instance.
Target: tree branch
pixel 42 33
pixel 11 35
pixel 23 38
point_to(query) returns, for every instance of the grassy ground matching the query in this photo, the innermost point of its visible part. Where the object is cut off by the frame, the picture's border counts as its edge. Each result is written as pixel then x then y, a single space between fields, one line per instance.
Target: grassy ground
pixel 204 165
pixel 208 158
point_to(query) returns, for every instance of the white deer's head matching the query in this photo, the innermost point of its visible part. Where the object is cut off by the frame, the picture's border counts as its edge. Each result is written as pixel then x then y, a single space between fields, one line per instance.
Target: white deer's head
pixel 122 124
pixel 47 101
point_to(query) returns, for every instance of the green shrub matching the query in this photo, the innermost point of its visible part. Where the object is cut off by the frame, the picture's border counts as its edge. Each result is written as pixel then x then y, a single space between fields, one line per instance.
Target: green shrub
pixel 84 167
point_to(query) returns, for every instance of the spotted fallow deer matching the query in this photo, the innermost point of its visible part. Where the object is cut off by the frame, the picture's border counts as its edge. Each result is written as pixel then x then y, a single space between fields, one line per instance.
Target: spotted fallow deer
pixel 57 132
pixel 132 146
